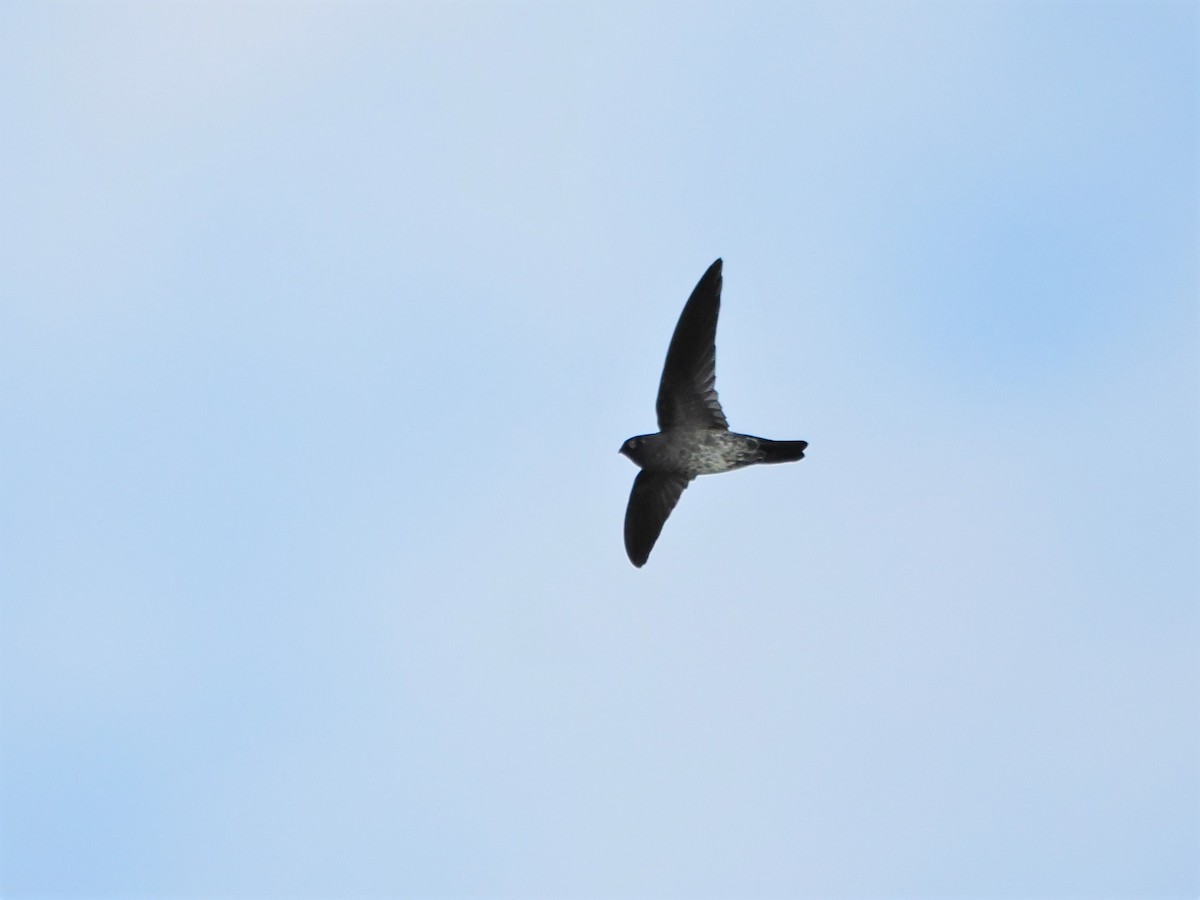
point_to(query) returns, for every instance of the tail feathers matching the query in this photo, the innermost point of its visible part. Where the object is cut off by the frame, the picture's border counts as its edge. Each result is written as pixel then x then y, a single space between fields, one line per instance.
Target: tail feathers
pixel 782 451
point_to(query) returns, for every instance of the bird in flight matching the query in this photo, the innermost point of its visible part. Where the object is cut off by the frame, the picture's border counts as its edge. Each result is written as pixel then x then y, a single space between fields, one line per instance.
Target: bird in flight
pixel 693 437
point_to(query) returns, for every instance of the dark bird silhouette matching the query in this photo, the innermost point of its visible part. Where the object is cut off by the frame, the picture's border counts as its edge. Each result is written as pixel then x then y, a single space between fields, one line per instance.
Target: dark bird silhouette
pixel 693 437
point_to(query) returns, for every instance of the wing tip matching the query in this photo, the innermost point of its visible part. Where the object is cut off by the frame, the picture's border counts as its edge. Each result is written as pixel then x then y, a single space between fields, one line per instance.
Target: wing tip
pixel 636 555
pixel 634 545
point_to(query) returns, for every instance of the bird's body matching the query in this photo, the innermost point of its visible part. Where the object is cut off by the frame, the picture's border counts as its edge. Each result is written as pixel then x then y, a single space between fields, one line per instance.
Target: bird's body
pixel 708 451
pixel 694 437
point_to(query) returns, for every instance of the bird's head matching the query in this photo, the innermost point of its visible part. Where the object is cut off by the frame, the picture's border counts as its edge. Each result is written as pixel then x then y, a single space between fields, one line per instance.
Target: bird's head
pixel 633 448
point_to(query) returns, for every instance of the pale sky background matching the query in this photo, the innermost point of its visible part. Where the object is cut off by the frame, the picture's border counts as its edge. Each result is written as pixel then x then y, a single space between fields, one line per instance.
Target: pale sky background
pixel 322 326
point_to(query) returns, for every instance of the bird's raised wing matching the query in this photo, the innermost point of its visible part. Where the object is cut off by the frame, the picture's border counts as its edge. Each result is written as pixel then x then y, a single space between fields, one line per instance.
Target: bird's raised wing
pixel 653 497
pixel 687 394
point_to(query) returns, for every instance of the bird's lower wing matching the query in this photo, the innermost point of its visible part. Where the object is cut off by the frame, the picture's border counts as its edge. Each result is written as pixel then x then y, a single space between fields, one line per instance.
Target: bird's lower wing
pixel 653 497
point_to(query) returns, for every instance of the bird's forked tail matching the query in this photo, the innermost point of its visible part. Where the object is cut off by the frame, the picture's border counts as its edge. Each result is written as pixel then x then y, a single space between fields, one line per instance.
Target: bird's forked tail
pixel 781 451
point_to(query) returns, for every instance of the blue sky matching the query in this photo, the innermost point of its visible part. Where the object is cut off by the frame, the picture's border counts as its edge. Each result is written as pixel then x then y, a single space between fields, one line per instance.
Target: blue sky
pixel 322 325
